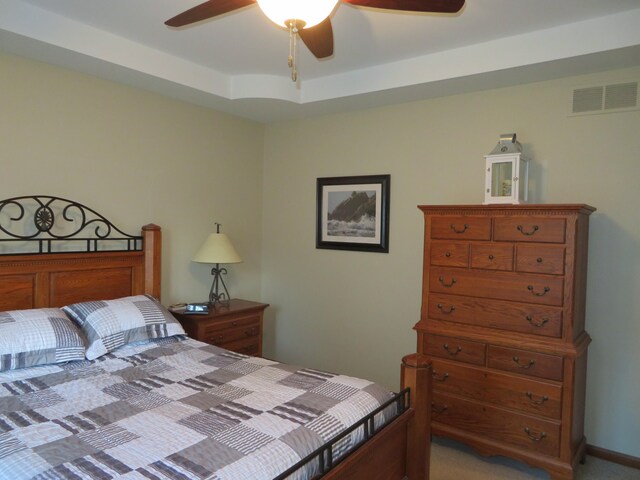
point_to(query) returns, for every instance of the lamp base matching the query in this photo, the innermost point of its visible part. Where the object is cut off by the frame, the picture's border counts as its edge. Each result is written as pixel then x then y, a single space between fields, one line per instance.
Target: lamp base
pixel 216 297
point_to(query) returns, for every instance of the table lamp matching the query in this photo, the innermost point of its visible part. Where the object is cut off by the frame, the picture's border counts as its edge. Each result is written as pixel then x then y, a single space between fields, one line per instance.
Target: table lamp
pixel 217 249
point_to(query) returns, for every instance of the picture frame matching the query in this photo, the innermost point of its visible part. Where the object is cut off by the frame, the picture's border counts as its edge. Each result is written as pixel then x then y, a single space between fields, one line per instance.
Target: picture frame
pixel 352 213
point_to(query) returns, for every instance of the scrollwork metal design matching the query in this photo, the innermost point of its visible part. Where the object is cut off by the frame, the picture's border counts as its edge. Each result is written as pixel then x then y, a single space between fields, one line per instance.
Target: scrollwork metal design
pixel 48 221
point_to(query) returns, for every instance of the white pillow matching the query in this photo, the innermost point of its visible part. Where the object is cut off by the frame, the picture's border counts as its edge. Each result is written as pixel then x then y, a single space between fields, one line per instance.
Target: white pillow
pixel 110 324
pixel 38 337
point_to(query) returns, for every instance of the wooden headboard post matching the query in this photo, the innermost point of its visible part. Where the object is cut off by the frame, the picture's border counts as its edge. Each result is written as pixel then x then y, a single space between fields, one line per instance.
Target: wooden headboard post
pixel 152 241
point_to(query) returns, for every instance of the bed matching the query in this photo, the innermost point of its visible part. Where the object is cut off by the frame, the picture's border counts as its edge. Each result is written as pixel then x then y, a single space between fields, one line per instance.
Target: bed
pixel 158 404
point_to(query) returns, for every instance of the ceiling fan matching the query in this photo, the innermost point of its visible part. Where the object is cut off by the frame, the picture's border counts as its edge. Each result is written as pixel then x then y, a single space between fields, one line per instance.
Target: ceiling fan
pixel 308 19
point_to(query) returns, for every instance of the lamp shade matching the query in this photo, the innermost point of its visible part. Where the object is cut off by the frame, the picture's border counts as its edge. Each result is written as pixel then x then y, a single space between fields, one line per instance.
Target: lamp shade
pixel 312 12
pixel 217 248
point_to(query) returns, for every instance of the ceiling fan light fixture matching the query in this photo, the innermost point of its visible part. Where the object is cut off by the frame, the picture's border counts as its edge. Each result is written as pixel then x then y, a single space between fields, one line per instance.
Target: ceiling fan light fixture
pixel 311 12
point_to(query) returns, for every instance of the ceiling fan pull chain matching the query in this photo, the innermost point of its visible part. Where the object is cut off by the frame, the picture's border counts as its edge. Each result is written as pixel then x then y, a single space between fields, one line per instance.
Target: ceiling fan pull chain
pixel 293 47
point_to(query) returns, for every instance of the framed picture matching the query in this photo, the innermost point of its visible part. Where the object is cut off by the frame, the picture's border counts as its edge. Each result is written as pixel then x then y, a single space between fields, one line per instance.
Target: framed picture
pixel 352 213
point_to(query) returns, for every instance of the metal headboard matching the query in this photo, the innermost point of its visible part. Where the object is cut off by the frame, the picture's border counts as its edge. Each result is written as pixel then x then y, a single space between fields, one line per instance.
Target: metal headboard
pixel 45 224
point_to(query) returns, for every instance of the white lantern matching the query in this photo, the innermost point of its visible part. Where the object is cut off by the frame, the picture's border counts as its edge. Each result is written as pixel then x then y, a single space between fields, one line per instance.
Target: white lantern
pixel 507 172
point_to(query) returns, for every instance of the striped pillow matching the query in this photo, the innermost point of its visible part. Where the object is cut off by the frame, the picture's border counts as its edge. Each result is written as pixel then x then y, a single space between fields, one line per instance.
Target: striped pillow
pixel 38 337
pixel 110 324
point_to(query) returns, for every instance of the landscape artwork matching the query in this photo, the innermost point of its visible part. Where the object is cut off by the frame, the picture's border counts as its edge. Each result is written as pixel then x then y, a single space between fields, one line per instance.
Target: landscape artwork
pixel 353 213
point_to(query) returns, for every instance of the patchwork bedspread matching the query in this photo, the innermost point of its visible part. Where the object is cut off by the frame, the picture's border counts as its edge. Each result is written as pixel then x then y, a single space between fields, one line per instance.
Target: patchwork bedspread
pixel 173 409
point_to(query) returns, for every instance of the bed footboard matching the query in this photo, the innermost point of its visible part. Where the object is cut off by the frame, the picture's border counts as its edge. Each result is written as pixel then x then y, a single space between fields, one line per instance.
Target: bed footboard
pixel 401 449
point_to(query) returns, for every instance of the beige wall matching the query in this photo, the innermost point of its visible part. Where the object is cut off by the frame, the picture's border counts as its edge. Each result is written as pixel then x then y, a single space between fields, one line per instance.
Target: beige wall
pixel 137 158
pixel 353 312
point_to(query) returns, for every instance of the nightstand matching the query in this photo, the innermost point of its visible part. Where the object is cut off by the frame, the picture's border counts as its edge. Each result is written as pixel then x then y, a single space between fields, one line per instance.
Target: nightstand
pixel 237 327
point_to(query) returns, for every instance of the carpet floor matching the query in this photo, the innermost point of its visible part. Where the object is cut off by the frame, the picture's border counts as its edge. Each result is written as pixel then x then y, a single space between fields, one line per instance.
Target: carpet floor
pixel 451 460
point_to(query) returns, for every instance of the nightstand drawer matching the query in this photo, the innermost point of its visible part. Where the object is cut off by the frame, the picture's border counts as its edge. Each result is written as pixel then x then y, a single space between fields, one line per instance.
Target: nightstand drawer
pixel 221 336
pixel 525 362
pixel 236 326
pixel 212 327
pixel 250 346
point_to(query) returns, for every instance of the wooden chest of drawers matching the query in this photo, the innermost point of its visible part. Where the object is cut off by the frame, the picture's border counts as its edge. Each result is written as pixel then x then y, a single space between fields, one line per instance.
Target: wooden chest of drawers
pixel 503 321
pixel 237 327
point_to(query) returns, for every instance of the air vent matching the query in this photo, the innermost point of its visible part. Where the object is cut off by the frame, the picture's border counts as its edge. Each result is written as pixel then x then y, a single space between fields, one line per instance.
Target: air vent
pixel 618 97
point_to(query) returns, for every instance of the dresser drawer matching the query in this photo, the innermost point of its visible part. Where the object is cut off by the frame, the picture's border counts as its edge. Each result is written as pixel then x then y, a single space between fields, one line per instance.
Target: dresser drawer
pixel 540 259
pixel 522 430
pixel 526 395
pixel 515 317
pixel 539 289
pixel 529 229
pixel 455 349
pixel 449 254
pixel 458 228
pixel 492 256
pixel 525 362
pixel 214 326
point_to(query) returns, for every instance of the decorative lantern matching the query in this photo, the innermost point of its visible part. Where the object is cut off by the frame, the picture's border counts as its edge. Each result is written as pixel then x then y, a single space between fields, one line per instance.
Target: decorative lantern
pixel 507 172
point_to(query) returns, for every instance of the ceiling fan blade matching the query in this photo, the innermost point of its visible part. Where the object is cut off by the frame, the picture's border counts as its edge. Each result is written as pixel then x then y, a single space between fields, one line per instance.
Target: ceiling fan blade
pixel 319 39
pixel 205 10
pixel 439 6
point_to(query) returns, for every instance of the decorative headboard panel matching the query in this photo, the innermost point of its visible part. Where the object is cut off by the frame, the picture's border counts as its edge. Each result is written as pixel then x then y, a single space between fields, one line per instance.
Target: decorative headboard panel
pixel 56 271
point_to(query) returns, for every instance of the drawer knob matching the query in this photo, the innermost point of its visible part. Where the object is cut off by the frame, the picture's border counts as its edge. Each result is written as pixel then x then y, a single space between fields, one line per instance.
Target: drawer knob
pixel 532 436
pixel 541 400
pixel 526 366
pixel 459 230
pixel 539 259
pixel 438 408
pixel 448 254
pixel 446 310
pixel 491 257
pixel 540 323
pixel 440 378
pixel 450 351
pixel 445 284
pixel 545 290
pixel 530 232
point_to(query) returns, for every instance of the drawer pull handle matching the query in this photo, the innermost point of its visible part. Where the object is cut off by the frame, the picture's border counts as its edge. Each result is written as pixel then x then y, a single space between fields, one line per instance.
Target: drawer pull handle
pixel 448 254
pixel 530 232
pixel 526 366
pixel 447 311
pixel 448 285
pixel 449 351
pixel 539 259
pixel 532 436
pixel 543 399
pixel 545 290
pixel 438 408
pixel 440 378
pixel 464 228
pixel 539 324
pixel 491 257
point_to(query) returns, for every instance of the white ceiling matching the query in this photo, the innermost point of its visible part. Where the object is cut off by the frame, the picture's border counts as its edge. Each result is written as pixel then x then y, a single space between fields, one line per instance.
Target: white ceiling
pixel 238 62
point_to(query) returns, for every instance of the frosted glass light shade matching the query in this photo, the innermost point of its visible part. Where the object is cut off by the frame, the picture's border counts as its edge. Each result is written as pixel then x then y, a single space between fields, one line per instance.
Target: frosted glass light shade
pixel 312 12
pixel 217 249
